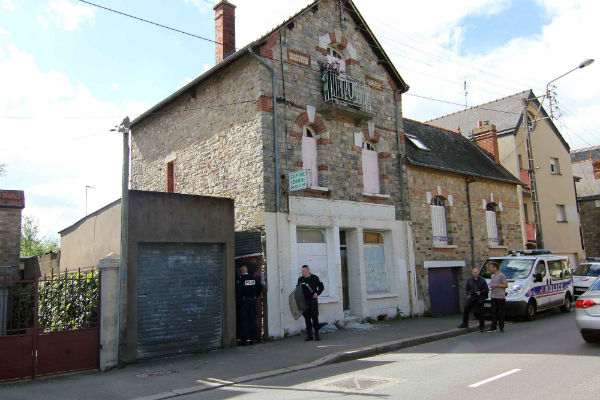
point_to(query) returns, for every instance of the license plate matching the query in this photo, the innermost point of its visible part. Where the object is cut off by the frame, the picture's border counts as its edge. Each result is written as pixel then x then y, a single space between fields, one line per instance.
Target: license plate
pixel 487 305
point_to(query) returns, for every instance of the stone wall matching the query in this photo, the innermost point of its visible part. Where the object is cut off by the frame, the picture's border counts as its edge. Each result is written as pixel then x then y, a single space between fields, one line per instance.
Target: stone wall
pixel 214 137
pixel 11 204
pixel 296 52
pixel 453 186
pixel 590 225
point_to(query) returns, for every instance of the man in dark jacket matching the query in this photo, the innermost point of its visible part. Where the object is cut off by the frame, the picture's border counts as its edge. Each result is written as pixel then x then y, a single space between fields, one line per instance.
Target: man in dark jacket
pixel 477 291
pixel 248 288
pixel 312 287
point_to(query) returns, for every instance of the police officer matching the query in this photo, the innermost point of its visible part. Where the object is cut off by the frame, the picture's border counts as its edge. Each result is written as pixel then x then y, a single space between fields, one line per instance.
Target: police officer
pixel 312 287
pixel 476 291
pixel 248 288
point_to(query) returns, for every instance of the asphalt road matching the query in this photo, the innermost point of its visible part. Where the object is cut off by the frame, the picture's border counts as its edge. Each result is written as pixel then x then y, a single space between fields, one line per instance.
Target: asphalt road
pixel 545 359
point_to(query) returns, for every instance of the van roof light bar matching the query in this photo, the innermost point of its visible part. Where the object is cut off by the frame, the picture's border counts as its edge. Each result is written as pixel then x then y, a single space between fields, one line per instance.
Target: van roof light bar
pixel 530 252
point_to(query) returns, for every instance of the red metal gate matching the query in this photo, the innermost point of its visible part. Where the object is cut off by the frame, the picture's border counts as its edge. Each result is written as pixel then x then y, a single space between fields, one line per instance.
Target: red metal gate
pixel 49 325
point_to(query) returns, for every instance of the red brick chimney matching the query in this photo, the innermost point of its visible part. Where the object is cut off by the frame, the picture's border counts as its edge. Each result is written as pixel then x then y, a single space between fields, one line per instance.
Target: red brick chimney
pixel 224 29
pixel 485 137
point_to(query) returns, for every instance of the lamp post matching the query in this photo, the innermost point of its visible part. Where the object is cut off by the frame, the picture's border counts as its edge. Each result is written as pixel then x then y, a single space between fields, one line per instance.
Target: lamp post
pixel 124 129
pixel 539 238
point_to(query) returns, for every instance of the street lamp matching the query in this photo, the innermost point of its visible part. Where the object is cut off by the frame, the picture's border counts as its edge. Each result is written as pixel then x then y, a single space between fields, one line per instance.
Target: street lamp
pixel 584 63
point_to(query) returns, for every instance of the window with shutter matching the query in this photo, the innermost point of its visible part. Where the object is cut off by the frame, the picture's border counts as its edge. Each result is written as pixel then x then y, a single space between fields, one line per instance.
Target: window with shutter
pixel 309 156
pixel 438 224
pixel 370 167
pixel 492 228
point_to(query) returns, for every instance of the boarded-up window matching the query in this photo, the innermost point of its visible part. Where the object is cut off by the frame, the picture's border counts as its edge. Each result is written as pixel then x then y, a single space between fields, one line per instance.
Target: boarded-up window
pixel 561 213
pixel 596 166
pixel 312 251
pixel 370 167
pixel 376 272
pixel 309 156
pixel 171 176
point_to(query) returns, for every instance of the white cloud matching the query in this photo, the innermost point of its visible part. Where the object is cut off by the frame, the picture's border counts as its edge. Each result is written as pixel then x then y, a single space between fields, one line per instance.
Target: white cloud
pixel 206 67
pixel 68 15
pixel 114 86
pixel 7 5
pixel 186 80
pixel 57 141
pixel 202 5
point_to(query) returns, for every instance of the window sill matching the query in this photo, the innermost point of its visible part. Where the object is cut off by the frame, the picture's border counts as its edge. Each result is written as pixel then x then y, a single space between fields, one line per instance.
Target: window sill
pixel 498 247
pixel 555 173
pixel 375 296
pixel 325 300
pixel 445 246
pixel 318 188
pixel 562 222
pixel 377 195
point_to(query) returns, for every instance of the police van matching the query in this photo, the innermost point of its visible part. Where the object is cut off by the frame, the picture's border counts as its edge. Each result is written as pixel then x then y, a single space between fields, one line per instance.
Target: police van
pixel 537 281
pixel 585 274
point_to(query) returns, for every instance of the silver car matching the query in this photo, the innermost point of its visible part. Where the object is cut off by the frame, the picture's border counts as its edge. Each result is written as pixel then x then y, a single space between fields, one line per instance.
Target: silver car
pixel 587 313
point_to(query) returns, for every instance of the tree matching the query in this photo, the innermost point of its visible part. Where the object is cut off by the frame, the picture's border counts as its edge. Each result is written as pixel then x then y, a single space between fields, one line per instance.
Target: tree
pixel 31 243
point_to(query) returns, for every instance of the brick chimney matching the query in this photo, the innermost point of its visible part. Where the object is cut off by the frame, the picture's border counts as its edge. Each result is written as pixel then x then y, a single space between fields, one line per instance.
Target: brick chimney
pixel 224 29
pixel 485 137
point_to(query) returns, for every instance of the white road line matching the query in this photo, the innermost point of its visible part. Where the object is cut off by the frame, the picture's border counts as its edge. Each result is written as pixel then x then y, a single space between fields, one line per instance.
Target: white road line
pixel 493 378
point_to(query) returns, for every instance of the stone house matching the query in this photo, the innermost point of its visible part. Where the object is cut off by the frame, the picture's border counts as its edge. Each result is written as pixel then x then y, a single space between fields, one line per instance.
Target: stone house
pixel 586 169
pixel 500 127
pixel 303 129
pixel 464 208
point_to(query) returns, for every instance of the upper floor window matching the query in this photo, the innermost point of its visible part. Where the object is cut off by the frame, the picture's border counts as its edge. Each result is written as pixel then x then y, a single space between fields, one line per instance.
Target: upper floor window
pixel 596 167
pixel 554 166
pixel 171 176
pixel 530 122
pixel 491 218
pixel 336 59
pixel 561 213
pixel 370 167
pixel 309 155
pixel 438 221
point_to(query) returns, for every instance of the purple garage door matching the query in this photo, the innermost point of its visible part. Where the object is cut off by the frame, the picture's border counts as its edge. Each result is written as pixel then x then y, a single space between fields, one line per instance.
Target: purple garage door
pixel 443 291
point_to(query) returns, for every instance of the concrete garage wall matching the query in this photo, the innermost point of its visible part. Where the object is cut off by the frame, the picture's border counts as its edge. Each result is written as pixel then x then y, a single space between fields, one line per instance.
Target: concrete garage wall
pixel 176 218
pixel 84 243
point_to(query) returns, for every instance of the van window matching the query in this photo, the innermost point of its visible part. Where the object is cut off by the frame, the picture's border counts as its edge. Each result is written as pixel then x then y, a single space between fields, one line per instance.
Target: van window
pixel 555 269
pixel 587 270
pixel 565 268
pixel 541 269
pixel 510 267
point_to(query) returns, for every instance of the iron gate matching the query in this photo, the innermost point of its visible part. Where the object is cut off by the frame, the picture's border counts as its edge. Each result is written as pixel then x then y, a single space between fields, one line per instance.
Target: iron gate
pixel 49 325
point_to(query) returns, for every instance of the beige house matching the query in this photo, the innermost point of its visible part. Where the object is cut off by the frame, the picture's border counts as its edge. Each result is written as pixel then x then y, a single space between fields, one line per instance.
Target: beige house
pixel 498 126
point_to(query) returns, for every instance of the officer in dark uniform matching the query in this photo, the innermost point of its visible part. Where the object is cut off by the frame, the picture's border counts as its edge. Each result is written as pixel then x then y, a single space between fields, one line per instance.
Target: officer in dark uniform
pixel 312 287
pixel 248 288
pixel 476 290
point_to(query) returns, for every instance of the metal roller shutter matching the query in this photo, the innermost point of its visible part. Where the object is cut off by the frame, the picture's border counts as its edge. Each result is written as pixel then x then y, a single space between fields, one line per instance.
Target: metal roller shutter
pixel 179 298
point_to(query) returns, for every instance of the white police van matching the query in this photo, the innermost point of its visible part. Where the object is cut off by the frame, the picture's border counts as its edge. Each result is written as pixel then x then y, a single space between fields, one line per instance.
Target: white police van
pixel 585 274
pixel 537 280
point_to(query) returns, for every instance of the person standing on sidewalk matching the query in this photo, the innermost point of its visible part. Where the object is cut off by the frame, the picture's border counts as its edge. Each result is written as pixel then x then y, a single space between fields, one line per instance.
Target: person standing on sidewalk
pixel 499 285
pixel 312 287
pixel 248 289
pixel 477 291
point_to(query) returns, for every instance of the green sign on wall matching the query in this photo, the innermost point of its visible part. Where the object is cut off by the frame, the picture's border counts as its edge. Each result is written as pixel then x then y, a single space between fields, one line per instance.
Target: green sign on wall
pixel 299 180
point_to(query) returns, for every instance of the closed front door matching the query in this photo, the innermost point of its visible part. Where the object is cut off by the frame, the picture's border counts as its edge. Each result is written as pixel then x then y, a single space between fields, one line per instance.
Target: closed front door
pixel 345 291
pixel 443 291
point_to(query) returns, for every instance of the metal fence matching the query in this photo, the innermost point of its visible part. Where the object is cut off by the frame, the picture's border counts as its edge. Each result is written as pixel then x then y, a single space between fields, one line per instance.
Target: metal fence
pixel 345 90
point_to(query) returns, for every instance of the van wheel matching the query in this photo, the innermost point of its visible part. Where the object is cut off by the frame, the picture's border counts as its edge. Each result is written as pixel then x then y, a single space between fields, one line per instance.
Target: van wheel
pixel 566 307
pixel 530 311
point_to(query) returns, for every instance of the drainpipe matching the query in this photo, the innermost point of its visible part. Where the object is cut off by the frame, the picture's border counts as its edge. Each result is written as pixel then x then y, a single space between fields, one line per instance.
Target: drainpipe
pixel 277 178
pixel 469 180
pixel 412 278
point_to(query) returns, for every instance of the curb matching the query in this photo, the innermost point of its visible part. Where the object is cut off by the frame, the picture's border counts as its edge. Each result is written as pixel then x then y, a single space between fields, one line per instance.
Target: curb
pixel 333 358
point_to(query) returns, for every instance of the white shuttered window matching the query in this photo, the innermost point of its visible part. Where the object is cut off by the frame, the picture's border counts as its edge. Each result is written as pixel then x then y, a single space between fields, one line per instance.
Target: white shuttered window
pixel 438 223
pixel 370 166
pixel 309 159
pixel 492 228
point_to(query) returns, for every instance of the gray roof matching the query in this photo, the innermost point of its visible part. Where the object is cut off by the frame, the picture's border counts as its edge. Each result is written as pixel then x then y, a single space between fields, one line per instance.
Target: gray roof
pixel 452 152
pixel 506 113
pixel 356 17
pixel 587 153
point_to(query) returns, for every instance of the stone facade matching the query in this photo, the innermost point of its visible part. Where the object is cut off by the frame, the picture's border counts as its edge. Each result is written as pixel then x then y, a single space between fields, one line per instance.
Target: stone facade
pixel 589 210
pixel 11 204
pixel 424 183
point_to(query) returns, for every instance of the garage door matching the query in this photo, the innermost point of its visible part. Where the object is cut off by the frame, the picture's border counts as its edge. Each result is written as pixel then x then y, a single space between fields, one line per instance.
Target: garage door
pixel 179 298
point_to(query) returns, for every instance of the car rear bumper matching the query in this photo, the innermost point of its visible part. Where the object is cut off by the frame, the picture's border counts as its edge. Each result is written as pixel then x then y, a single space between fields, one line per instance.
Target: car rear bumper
pixel 586 322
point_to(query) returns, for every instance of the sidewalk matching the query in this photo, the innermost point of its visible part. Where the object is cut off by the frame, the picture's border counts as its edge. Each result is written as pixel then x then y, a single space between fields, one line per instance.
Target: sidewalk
pixel 168 377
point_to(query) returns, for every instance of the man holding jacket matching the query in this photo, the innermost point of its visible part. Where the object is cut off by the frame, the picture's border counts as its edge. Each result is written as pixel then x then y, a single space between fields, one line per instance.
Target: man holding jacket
pixel 477 291
pixel 312 287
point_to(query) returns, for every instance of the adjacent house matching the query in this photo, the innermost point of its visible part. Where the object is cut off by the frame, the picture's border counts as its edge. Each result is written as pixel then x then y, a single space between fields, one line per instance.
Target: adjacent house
pixel 549 211
pixel 586 167
pixel 464 208
pixel 303 129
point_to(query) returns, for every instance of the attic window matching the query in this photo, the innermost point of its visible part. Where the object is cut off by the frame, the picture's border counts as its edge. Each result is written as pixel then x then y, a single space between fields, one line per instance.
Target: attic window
pixel 415 141
pixel 335 53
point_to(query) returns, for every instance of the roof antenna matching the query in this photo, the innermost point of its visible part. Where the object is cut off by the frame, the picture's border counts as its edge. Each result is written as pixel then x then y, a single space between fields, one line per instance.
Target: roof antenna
pixel 467 109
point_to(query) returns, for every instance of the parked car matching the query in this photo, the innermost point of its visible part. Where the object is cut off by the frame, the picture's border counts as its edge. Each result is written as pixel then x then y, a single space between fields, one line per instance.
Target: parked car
pixel 587 313
pixel 585 274
pixel 537 280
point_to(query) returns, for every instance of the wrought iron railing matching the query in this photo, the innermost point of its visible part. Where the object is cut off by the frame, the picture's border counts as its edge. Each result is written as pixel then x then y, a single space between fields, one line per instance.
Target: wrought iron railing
pixel 345 90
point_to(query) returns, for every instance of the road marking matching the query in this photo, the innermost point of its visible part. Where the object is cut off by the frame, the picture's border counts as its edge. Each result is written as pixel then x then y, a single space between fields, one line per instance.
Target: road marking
pixel 493 378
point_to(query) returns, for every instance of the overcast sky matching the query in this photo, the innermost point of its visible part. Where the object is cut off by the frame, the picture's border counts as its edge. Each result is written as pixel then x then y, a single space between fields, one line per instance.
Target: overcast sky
pixel 69 72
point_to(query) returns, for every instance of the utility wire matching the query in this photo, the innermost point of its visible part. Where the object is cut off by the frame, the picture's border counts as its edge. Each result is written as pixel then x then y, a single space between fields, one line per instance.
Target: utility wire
pixel 149 22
